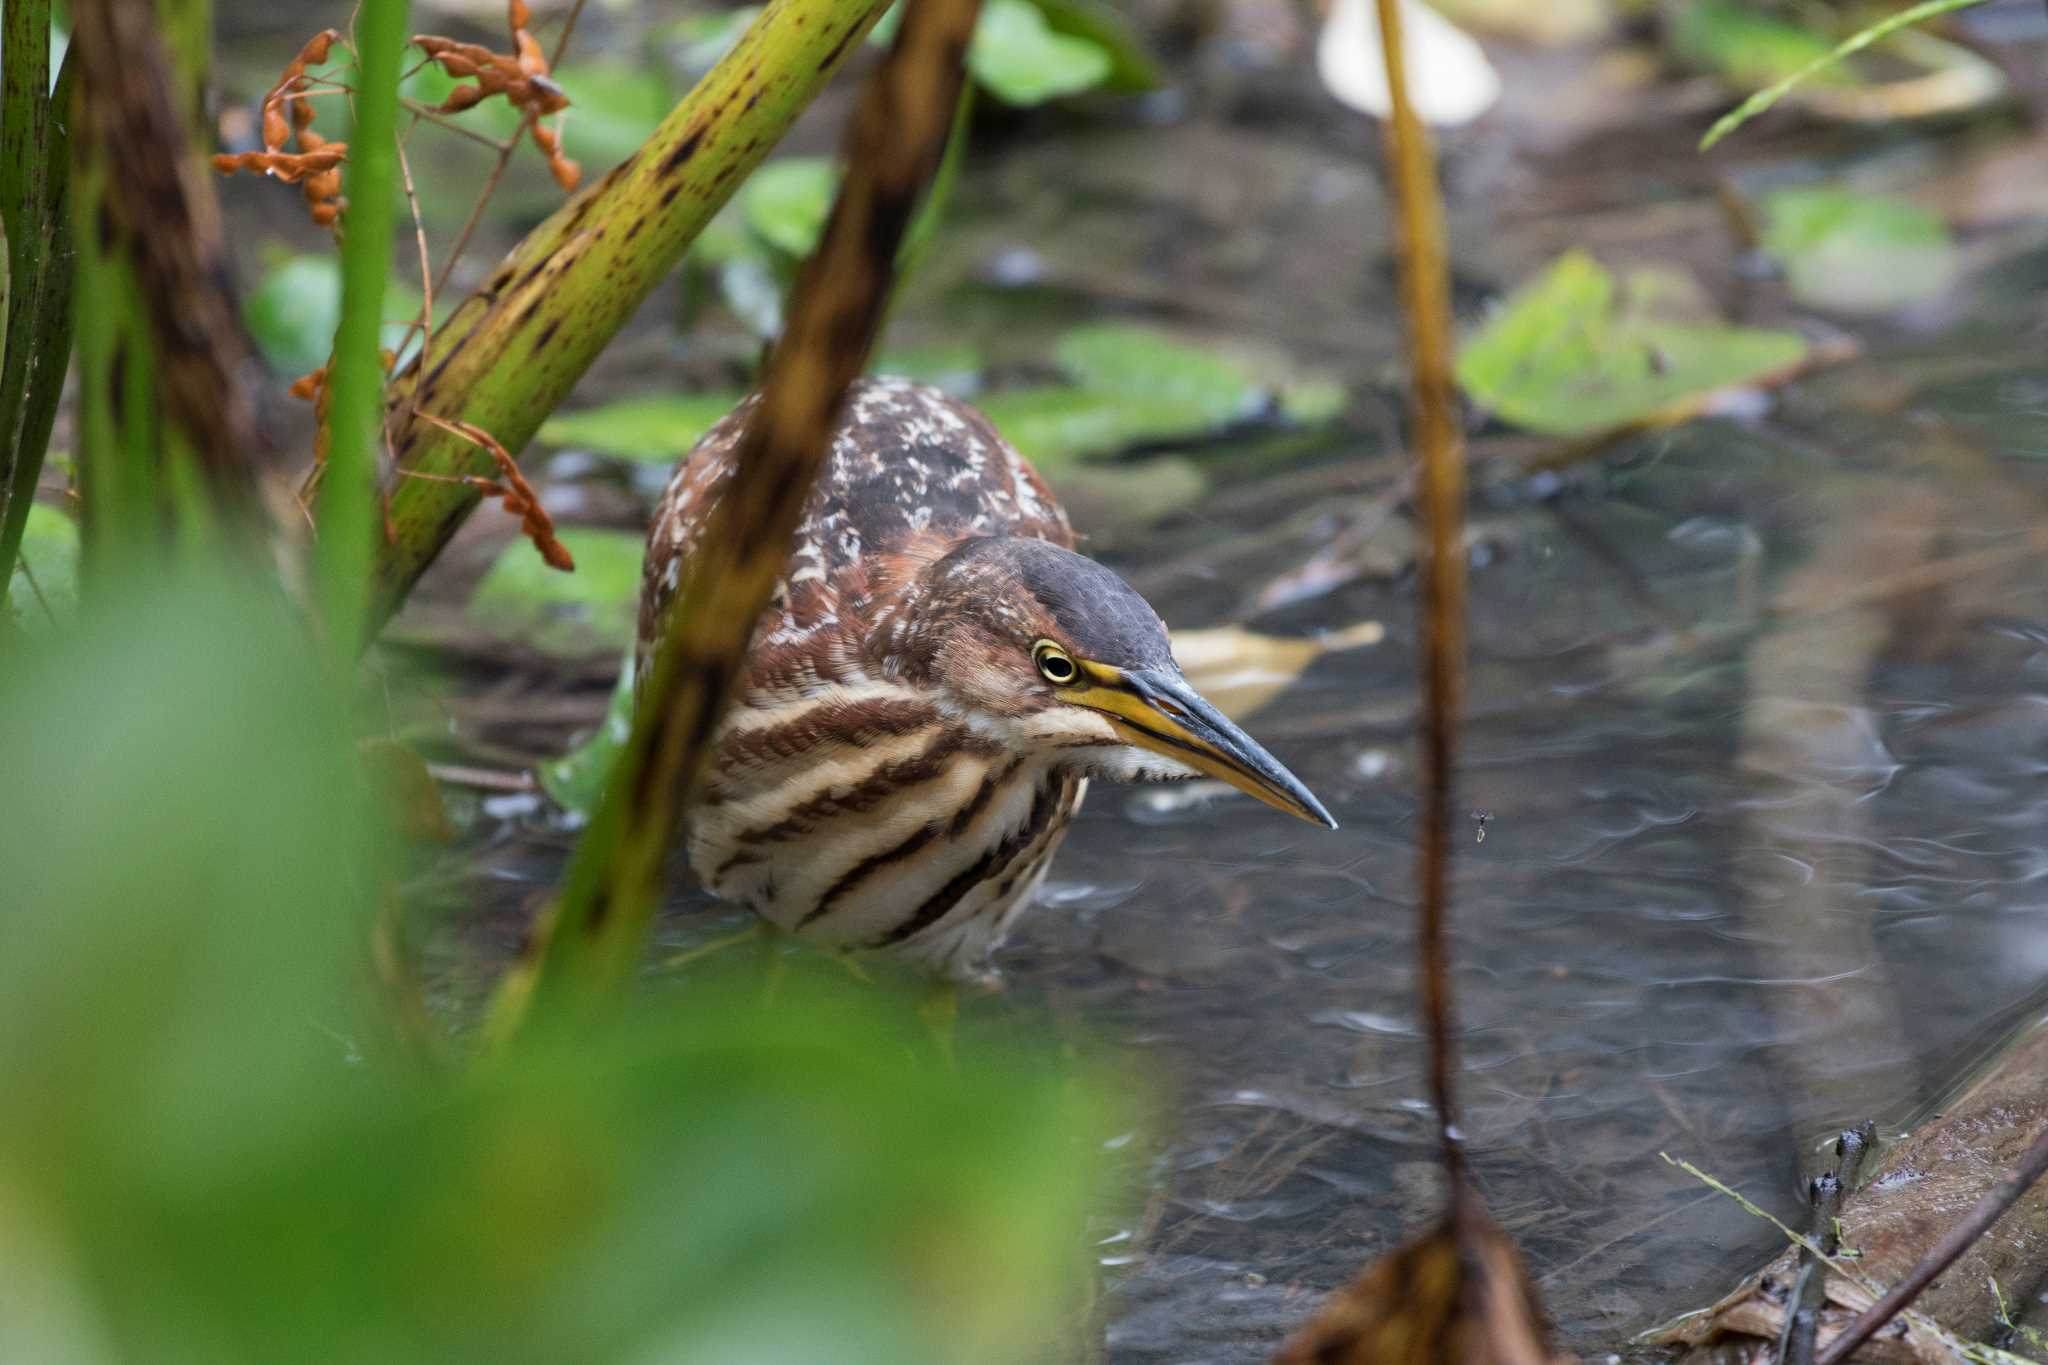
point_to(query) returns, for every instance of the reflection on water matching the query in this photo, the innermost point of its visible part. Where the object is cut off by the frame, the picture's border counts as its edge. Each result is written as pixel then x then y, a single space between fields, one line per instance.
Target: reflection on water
pixel 1762 761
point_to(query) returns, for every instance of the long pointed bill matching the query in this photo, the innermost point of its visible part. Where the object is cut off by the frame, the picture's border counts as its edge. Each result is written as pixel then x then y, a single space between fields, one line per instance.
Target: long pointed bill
pixel 1157 710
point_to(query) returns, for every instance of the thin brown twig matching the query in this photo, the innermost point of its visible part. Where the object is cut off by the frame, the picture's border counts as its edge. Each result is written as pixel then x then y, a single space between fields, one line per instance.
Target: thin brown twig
pixel 1944 1253
pixel 1425 293
pixel 453 125
pixel 423 325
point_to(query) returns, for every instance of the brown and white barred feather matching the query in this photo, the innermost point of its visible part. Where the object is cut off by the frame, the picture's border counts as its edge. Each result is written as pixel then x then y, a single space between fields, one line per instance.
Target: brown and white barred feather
pixel 844 803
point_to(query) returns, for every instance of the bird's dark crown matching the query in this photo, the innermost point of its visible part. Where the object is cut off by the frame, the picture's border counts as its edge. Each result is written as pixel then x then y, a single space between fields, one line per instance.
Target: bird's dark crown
pixel 1089 607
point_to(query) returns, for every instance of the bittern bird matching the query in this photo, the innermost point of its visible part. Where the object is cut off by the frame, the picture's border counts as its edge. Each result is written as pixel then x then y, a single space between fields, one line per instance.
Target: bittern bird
pixel 937 680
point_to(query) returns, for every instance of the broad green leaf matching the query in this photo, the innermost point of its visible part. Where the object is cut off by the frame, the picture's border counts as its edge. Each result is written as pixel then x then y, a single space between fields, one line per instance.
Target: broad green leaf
pixel 48 586
pixel 656 428
pixel 1132 66
pixel 1052 425
pixel 1858 253
pixel 787 201
pixel 575 781
pixel 1145 362
pixel 295 308
pixel 1020 59
pixel 592 610
pixel 1577 352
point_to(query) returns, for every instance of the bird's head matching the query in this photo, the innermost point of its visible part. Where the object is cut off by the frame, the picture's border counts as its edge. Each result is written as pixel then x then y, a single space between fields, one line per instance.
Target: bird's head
pixel 1050 652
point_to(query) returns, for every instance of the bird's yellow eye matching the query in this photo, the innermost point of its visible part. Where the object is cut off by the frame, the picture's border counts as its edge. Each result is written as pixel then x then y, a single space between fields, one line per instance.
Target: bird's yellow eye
pixel 1054 664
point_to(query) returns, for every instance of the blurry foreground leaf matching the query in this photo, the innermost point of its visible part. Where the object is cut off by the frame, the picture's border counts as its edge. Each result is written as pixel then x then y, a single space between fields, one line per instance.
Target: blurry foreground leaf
pixel 1021 59
pixel 1576 352
pixel 1748 47
pixel 47 589
pixel 203 1160
pixel 1456 1296
pixel 295 308
pixel 657 428
pixel 576 780
pixel 1131 66
pixel 592 610
pixel 1858 253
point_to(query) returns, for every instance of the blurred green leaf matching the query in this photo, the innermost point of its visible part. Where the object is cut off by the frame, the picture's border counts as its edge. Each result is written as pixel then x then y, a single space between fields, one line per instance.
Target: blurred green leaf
pixel 1145 361
pixel 1132 68
pixel 1129 495
pixel 1020 59
pixel 955 368
pixel 205 1159
pixel 592 610
pixel 1577 352
pixel 49 549
pixel 1748 48
pixel 613 106
pixel 1052 425
pixel 295 308
pixel 787 201
pixel 1858 253
pixel 702 40
pixel 657 428
pixel 575 781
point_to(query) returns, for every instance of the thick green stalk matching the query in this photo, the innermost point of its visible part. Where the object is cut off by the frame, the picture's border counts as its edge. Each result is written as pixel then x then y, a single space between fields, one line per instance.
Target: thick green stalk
pixel 348 494
pixel 515 347
pixel 594 935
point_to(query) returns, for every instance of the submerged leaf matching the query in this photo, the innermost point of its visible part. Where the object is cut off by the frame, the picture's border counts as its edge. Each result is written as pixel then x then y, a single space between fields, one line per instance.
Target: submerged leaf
pixel 1053 425
pixel 657 428
pixel 1577 352
pixel 1858 253
pixel 593 610
pixel 1456 1296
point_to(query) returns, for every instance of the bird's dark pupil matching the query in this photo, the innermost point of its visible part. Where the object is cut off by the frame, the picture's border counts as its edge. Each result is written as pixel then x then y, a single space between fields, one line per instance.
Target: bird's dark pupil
pixel 1057 668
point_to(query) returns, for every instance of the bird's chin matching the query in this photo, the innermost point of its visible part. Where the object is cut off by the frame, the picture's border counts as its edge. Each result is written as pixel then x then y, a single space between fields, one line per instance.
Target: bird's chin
pixel 1129 763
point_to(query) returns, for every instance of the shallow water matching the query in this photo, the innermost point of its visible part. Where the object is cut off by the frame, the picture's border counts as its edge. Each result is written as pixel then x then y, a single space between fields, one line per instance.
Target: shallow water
pixel 1757 721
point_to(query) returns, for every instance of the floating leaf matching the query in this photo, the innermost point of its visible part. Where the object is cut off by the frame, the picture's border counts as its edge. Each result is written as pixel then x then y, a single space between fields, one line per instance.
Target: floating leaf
pixel 1131 66
pixel 593 610
pixel 1019 58
pixel 1146 362
pixel 575 782
pixel 1858 253
pixel 1576 352
pixel 786 202
pixel 295 308
pixel 1054 424
pixel 1241 670
pixel 656 428
pixel 49 549
pixel 954 368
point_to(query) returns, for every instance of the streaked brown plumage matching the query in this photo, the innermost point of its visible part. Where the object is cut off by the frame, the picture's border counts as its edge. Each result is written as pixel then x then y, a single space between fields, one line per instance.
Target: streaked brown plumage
pixel 938 678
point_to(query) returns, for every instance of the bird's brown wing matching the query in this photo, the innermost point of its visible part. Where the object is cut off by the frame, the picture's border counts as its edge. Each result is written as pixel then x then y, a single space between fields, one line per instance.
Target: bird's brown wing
pixel 913 472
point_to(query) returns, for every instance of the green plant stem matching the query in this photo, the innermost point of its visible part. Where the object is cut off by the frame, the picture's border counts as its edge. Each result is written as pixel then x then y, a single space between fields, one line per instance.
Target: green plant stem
pixel 595 934
pixel 1426 304
pixel 347 509
pixel 1848 47
pixel 35 173
pixel 513 350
